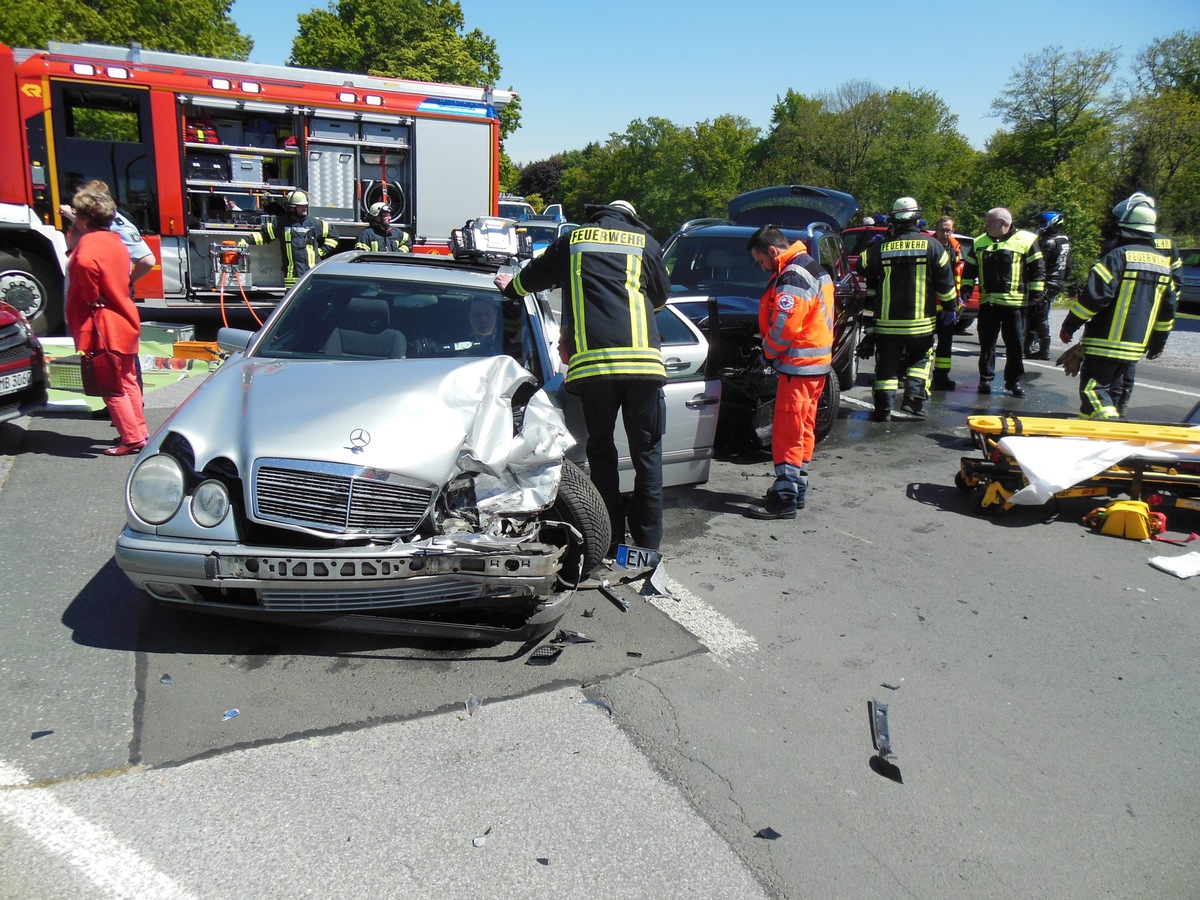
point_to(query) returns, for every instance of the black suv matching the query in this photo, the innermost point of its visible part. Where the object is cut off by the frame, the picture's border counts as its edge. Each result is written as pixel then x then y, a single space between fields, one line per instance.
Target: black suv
pixel 716 284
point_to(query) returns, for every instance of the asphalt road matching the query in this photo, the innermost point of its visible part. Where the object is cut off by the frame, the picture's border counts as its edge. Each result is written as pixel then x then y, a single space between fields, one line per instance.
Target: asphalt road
pixel 1043 687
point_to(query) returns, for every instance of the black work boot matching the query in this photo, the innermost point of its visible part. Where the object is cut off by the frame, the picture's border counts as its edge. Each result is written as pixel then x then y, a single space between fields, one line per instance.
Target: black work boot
pixel 942 381
pixel 1015 389
pixel 913 407
pixel 773 507
pixel 883 407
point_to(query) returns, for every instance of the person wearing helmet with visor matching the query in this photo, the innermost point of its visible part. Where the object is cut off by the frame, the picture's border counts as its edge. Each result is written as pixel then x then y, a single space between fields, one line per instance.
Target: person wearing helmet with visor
pixel 1056 251
pixel 1127 308
pixel 910 280
pixel 306 240
pixel 381 234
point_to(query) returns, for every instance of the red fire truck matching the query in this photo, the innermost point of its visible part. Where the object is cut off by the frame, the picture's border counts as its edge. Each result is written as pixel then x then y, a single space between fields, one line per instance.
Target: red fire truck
pixel 198 151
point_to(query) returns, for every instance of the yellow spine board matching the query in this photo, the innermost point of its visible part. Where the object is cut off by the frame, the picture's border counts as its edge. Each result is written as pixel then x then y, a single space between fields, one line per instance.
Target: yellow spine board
pixel 1097 429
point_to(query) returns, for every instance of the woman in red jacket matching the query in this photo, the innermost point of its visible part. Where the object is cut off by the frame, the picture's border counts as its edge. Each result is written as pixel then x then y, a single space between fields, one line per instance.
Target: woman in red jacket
pixel 98 298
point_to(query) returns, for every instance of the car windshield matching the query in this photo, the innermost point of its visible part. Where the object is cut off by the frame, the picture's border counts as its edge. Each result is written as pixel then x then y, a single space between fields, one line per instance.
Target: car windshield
pixel 715 265
pixel 541 234
pixel 339 317
pixel 1189 257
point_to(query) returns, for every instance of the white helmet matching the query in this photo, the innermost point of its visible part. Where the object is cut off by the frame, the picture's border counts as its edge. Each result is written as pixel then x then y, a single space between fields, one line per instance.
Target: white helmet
pixel 905 209
pixel 624 206
pixel 296 198
pixel 1137 213
pixel 378 209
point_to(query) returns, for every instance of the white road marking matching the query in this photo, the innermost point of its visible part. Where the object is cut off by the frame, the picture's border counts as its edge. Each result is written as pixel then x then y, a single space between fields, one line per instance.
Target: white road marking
pixel 111 866
pixel 718 633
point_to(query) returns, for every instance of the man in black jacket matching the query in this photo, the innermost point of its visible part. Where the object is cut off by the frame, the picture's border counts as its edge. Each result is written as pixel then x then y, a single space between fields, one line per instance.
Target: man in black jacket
pixel 1056 253
pixel 613 281
pixel 1127 309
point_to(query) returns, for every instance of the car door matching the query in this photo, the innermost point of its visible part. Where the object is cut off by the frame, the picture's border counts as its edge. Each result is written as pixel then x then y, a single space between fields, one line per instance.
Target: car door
pixel 693 400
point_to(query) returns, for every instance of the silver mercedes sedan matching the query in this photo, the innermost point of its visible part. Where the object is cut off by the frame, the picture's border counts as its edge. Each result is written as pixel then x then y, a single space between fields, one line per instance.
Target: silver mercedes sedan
pixel 393 451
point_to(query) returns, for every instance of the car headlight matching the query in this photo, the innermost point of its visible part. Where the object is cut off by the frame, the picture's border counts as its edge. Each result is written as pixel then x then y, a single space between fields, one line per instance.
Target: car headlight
pixel 156 489
pixel 210 503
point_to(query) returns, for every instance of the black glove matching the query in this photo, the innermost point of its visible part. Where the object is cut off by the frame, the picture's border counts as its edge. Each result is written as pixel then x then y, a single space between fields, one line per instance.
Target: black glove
pixel 866 347
pixel 1158 343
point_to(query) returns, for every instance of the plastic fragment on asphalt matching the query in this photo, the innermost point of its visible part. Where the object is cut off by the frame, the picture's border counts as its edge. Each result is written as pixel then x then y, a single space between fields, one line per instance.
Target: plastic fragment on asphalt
pixel 166 679
pixel 572 637
pixel 889 685
pixel 41 734
pixel 473 703
pixel 768 834
pixel 881 738
pixel 543 655
pixel 480 839
pixel 600 703
pixel 543 860
pixel 231 713
pixel 659 581
pixel 636 654
pixel 589 613
pixel 1184 566
pixel 612 595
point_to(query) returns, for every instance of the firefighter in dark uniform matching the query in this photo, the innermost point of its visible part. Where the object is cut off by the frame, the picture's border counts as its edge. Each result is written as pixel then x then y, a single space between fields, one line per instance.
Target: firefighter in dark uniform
pixel 1011 274
pixel 306 239
pixel 1127 309
pixel 613 281
pixel 1056 253
pixel 1165 245
pixel 910 281
pixel 381 234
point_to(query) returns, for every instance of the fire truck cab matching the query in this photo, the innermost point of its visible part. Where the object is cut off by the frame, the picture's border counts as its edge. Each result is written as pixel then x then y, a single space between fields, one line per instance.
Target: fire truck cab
pixel 199 153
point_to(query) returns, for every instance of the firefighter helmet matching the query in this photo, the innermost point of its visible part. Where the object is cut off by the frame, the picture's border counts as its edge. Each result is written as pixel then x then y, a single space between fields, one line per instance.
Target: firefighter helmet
pixel 624 206
pixel 1050 222
pixel 296 198
pixel 1137 213
pixel 905 209
pixel 378 210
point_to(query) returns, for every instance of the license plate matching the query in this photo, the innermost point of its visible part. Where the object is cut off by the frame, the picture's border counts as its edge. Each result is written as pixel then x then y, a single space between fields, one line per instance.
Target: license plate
pixel 636 557
pixel 15 381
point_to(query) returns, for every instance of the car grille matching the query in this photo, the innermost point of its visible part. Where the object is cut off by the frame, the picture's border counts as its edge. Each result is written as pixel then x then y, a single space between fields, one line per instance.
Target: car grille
pixel 356 599
pixel 337 498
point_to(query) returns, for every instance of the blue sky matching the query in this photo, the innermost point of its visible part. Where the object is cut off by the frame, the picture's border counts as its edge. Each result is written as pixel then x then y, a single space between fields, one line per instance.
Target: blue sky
pixel 586 70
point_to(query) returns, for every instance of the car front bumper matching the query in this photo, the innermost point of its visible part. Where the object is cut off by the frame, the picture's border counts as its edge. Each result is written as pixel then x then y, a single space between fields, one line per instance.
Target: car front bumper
pixel 474 590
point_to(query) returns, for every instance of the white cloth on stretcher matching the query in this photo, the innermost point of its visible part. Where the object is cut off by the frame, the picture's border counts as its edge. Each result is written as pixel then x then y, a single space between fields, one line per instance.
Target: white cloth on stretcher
pixel 1052 464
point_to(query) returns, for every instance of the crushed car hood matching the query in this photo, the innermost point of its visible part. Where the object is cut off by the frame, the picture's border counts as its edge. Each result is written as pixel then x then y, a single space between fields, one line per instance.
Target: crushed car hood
pixel 425 419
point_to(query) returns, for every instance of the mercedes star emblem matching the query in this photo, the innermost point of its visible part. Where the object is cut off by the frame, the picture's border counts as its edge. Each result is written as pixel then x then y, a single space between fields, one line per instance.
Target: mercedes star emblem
pixel 359 438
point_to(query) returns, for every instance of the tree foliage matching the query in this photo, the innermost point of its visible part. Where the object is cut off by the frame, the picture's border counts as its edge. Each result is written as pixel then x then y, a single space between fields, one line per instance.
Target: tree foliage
pixel 197 27
pixel 423 40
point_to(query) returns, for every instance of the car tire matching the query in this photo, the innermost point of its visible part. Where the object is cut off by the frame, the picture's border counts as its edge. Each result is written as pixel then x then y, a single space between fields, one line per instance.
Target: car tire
pixel 827 409
pixel 579 504
pixel 847 373
pixel 34 287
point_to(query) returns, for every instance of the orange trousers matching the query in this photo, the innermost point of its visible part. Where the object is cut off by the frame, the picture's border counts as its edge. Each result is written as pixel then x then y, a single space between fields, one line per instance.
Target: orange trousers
pixel 126 409
pixel 796 398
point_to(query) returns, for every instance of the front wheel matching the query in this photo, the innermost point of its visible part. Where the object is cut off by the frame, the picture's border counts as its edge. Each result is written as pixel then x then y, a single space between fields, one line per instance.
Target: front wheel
pixel 827 408
pixel 34 287
pixel 579 504
pixel 847 373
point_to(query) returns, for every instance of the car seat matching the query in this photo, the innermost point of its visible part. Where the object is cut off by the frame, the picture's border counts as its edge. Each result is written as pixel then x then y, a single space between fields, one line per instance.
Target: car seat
pixel 367 332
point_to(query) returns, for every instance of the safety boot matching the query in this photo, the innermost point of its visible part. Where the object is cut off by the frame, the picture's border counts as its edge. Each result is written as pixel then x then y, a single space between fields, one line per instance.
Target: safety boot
pixel 913 407
pixel 942 380
pixel 773 507
pixel 883 407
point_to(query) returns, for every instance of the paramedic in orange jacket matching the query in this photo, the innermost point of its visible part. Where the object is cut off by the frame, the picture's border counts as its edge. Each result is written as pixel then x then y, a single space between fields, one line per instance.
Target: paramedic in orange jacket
pixel 795 318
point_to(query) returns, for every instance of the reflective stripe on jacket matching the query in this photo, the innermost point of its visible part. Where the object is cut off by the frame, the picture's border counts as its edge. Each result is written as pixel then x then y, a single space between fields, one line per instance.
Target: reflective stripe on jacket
pixel 613 281
pixel 305 244
pixel 1010 271
pixel 910 276
pixel 1129 296
pixel 795 315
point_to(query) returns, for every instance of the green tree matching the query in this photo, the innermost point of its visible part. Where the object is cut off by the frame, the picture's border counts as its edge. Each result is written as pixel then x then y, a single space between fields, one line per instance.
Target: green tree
pixel 1055 100
pixel 423 40
pixel 197 27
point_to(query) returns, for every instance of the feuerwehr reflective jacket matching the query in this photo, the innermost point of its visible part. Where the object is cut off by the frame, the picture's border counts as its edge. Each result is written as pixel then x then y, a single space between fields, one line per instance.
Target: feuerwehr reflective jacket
pixel 613 281
pixel 1128 302
pixel 910 275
